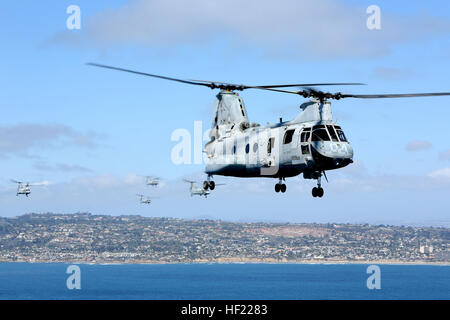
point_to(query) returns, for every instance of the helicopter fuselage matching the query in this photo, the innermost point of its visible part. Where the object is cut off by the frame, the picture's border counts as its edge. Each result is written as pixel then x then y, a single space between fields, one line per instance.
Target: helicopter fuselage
pixel 310 144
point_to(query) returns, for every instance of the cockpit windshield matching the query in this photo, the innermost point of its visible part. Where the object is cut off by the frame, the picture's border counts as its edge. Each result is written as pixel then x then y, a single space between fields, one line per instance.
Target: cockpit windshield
pixel 328 133
pixel 320 133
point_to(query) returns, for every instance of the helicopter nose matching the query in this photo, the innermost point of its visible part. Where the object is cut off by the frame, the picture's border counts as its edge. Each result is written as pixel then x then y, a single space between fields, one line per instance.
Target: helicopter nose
pixel 336 150
pixel 332 155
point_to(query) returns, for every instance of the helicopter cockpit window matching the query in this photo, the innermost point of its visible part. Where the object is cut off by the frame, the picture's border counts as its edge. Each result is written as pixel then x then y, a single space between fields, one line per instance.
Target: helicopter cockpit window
pixel 332 133
pixel 341 135
pixel 288 136
pixel 320 135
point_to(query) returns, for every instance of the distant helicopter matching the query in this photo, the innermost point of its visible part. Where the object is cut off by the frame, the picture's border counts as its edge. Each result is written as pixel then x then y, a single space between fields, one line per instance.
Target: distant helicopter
pixel 24 188
pixel 143 199
pixel 310 144
pixel 196 190
pixel 152 181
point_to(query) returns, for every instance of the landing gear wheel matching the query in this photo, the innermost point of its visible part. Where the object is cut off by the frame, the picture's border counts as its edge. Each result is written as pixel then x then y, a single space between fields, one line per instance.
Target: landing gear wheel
pixel 277 187
pixel 205 185
pixel 317 192
pixel 212 185
pixel 283 188
pixel 320 192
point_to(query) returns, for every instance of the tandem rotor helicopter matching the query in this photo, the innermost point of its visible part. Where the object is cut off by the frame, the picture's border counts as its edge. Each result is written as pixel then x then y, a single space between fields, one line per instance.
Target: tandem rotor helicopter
pixel 143 199
pixel 24 188
pixel 152 181
pixel 196 190
pixel 310 144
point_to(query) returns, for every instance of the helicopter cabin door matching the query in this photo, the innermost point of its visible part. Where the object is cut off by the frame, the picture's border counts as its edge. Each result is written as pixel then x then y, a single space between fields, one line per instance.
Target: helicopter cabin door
pixel 305 144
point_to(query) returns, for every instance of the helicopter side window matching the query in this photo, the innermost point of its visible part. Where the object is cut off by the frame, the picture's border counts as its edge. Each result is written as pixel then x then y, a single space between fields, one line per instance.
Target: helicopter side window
pixel 332 133
pixel 288 136
pixel 320 135
pixel 270 145
pixel 242 108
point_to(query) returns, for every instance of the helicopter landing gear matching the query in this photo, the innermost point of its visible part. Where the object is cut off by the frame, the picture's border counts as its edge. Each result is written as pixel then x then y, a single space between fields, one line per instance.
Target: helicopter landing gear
pixel 318 191
pixel 280 186
pixel 208 184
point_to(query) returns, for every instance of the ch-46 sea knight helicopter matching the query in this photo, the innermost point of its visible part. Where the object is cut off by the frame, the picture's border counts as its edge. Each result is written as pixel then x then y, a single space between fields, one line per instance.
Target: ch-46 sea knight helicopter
pixel 143 199
pixel 198 191
pixel 310 144
pixel 152 181
pixel 24 188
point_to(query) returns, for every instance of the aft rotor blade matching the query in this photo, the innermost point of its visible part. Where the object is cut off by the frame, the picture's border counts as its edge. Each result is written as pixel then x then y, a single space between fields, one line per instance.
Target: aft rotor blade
pixel 401 95
pixel 15 181
pixel 242 86
pixel 147 74
pixel 312 85
pixel 221 85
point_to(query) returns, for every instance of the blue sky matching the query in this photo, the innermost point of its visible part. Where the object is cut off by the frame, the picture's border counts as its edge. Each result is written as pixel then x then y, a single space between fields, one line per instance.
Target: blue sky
pixel 93 133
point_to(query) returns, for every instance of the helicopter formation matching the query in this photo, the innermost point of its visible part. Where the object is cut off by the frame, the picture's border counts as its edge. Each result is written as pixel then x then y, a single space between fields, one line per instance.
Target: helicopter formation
pixel 24 188
pixel 310 144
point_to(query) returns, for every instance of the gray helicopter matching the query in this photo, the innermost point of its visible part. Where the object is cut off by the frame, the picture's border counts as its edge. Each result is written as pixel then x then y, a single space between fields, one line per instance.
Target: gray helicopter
pixel 152 181
pixel 196 190
pixel 143 199
pixel 24 188
pixel 310 144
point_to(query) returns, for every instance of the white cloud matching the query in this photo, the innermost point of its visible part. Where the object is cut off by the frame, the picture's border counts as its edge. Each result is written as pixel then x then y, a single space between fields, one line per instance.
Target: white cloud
pixel 20 139
pixel 389 73
pixel 418 145
pixel 445 155
pixel 440 174
pixel 316 29
pixel 60 167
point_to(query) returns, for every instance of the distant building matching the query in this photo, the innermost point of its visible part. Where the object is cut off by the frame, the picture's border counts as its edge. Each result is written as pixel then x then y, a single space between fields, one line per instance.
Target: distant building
pixel 426 248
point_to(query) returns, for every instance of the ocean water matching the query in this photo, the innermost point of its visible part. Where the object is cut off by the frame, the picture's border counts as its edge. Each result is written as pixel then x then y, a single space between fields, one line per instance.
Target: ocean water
pixel 223 281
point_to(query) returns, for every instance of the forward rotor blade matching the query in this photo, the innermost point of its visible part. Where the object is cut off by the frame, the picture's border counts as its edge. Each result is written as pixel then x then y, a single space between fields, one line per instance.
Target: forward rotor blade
pixel 15 181
pixel 401 95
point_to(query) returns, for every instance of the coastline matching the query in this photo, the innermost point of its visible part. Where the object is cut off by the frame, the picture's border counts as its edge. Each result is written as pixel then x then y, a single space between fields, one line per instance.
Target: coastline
pixel 241 261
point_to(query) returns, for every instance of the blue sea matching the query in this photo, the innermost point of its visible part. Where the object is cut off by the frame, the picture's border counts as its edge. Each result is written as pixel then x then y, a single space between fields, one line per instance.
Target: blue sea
pixel 223 281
